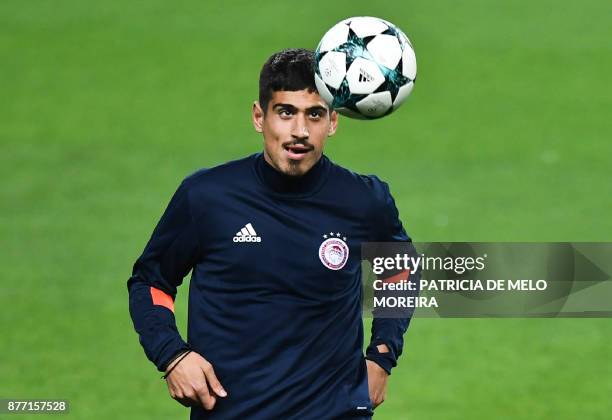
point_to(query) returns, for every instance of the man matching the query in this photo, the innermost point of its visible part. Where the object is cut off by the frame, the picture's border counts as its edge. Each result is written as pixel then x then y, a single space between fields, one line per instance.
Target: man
pixel 275 327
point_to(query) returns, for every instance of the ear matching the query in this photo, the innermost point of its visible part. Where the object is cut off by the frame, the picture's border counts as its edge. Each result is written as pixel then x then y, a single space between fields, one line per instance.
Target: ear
pixel 333 123
pixel 258 117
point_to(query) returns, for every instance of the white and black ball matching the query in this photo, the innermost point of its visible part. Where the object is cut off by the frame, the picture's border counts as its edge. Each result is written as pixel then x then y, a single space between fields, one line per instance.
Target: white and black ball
pixel 365 67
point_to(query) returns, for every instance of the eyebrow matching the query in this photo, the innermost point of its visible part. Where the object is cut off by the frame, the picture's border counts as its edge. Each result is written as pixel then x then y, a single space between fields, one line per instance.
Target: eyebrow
pixel 292 108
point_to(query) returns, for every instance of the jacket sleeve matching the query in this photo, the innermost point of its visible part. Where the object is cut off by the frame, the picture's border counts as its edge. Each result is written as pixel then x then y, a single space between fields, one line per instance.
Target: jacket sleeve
pixel 169 255
pixel 389 325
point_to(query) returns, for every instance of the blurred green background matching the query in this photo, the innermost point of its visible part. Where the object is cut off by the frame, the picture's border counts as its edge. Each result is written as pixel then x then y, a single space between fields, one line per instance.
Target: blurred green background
pixel 106 106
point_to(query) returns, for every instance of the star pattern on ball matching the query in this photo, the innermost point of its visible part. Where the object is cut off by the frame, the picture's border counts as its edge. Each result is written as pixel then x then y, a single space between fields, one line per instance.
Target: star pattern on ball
pixel 371 41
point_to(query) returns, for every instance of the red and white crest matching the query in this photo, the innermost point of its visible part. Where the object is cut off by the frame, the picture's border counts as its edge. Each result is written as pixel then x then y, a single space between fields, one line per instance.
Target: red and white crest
pixel 334 253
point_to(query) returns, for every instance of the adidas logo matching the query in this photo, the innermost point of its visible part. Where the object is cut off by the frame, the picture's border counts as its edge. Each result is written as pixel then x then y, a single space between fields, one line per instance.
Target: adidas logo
pixel 364 76
pixel 247 234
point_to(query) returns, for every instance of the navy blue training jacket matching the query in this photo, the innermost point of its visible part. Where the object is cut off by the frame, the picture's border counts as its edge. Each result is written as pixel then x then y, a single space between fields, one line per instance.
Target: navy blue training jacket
pixel 275 294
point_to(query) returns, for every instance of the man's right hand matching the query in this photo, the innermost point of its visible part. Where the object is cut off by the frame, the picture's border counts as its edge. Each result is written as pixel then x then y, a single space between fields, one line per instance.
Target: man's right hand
pixel 193 382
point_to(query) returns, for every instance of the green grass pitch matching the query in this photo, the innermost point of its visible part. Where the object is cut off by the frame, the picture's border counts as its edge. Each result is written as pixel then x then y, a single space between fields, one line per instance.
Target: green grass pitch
pixel 106 106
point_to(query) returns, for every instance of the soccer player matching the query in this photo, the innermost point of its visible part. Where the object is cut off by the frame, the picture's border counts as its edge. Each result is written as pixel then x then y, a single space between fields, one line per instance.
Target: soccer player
pixel 274 321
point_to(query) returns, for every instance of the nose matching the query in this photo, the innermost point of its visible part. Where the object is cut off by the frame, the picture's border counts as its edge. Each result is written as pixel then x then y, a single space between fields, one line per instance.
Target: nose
pixel 299 131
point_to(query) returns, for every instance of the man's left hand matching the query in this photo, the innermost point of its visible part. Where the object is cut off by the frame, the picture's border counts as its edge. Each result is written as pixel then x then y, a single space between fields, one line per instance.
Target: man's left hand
pixel 377 383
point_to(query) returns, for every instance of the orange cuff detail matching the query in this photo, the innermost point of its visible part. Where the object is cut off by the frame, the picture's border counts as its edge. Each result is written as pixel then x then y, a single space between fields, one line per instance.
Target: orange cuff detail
pixel 162 299
pixel 403 275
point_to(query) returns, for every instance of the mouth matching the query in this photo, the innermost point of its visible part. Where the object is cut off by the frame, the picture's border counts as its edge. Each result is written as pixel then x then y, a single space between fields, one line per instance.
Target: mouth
pixel 297 151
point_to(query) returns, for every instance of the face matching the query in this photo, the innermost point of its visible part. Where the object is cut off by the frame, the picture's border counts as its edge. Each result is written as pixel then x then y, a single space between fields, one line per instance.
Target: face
pixel 295 128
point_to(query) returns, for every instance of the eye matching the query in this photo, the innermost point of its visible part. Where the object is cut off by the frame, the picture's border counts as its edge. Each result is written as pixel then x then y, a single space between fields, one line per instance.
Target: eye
pixel 315 115
pixel 284 113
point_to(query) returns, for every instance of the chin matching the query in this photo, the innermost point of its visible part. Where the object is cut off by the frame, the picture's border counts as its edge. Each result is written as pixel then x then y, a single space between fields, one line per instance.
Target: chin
pixel 296 168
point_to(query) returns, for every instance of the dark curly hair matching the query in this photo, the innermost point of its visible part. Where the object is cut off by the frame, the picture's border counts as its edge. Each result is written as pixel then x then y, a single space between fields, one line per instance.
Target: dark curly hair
pixel 290 69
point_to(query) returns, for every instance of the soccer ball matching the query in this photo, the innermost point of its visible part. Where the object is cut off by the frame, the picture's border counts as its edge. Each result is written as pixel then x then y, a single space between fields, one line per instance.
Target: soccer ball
pixel 365 67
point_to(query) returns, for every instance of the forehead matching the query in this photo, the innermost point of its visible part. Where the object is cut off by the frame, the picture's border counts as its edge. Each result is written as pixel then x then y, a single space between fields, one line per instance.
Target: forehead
pixel 300 99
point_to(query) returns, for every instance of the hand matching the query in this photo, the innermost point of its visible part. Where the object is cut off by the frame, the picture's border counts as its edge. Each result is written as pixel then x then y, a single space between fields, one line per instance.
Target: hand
pixel 193 382
pixel 377 383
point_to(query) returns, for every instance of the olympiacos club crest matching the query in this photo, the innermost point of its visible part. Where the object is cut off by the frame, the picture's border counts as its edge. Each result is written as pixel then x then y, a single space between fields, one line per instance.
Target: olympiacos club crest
pixel 334 252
